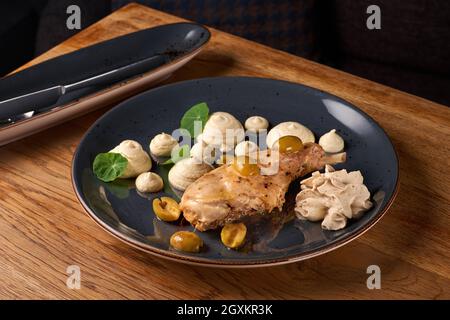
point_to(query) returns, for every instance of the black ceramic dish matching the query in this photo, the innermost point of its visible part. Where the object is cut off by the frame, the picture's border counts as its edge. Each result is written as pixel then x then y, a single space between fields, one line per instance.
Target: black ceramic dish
pixel 121 211
pixel 168 47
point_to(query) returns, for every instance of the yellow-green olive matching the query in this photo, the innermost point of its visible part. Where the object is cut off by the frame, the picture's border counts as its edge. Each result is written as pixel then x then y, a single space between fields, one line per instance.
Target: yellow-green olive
pixel 245 166
pixel 186 241
pixel 233 235
pixel 166 209
pixel 289 144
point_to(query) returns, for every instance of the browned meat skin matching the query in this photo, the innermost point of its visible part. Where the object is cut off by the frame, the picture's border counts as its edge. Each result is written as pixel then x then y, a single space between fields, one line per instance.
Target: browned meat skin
pixel 223 195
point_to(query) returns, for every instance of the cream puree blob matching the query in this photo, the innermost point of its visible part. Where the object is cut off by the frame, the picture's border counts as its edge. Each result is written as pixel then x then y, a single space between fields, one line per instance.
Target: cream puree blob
pixel 246 148
pixel 162 144
pixel 199 138
pixel 149 182
pixel 223 130
pixel 333 196
pixel 331 142
pixel 138 160
pixel 203 152
pixel 289 128
pixel 186 171
pixel 256 123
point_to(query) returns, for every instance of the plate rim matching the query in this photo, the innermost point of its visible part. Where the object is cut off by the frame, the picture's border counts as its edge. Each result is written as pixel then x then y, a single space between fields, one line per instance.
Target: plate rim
pixel 199 261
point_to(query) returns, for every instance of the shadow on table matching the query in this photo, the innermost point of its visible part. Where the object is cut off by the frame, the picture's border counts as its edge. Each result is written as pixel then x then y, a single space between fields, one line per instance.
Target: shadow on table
pixel 411 221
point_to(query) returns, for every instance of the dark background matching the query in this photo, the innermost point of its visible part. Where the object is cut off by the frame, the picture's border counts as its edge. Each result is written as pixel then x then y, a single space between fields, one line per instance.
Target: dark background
pixel 411 52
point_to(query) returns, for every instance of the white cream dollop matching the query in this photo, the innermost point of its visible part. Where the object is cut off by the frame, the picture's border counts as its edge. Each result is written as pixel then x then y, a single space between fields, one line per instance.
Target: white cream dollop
pixel 138 160
pixel 246 148
pixel 199 138
pixel 223 130
pixel 289 128
pixel 334 196
pixel 162 144
pixel 203 152
pixel 256 123
pixel 149 182
pixel 186 171
pixel 331 142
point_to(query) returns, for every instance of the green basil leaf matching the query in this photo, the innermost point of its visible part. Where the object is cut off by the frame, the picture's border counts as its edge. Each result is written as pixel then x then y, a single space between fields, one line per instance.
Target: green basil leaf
pixel 169 161
pixel 199 112
pixel 180 153
pixel 109 166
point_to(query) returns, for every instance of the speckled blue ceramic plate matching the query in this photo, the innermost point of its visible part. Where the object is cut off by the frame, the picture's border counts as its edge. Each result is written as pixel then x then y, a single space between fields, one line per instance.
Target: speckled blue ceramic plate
pixel 120 210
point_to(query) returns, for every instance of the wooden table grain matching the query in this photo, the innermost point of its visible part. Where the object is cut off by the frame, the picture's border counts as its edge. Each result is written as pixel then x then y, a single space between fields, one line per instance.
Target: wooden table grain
pixel 43 228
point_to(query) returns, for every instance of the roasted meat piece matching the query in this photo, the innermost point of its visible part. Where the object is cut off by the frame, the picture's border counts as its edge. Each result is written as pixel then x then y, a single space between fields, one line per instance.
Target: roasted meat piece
pixel 224 195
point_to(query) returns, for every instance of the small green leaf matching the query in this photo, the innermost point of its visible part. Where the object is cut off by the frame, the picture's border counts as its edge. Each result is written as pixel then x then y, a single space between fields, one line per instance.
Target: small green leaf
pixel 167 162
pixel 109 166
pixel 179 153
pixel 199 112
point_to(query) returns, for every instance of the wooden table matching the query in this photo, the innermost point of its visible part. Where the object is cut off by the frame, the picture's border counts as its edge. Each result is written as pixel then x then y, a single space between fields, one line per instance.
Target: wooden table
pixel 43 228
